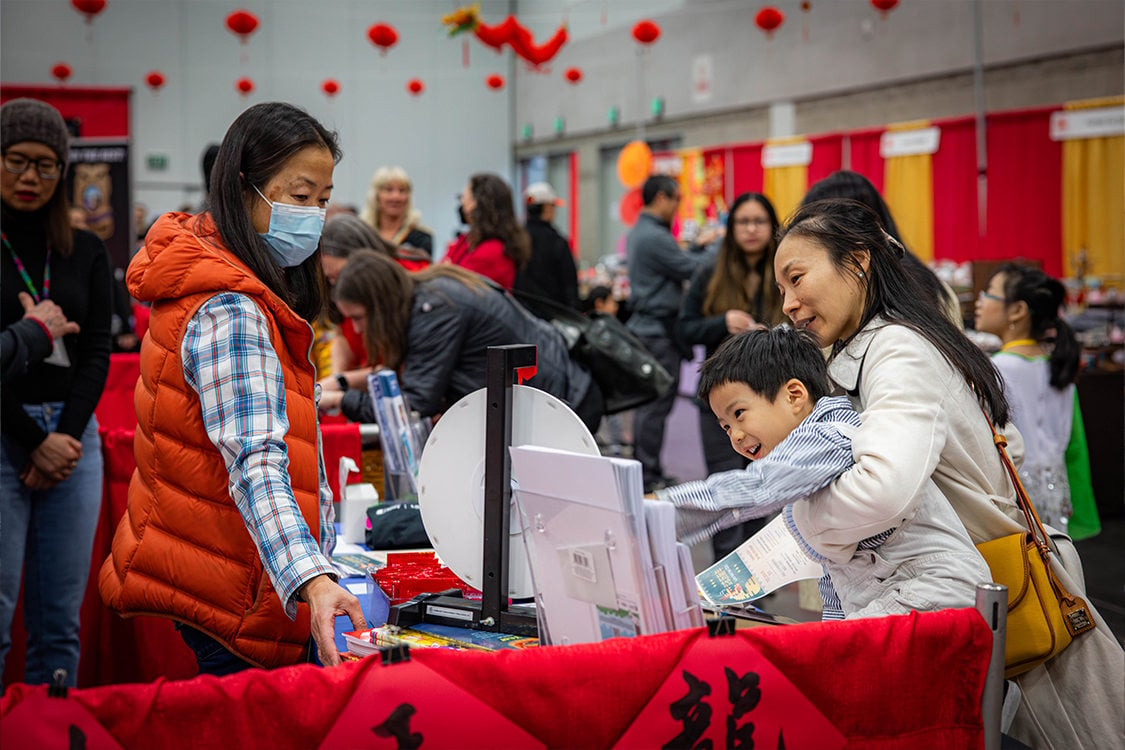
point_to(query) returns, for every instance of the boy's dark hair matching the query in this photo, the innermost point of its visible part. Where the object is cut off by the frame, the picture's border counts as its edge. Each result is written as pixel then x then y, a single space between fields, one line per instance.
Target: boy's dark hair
pixel 765 360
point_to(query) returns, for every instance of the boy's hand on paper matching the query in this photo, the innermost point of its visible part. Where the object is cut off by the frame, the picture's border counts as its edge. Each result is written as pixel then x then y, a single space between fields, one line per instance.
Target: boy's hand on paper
pixel 326 599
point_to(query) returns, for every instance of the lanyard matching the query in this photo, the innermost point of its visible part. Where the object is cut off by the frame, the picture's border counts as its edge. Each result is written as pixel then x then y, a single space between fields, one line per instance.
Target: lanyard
pixel 24 275
pixel 1018 342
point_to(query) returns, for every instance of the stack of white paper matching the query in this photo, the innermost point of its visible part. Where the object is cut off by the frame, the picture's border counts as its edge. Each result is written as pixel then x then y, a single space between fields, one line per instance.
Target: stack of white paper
pixel 603 563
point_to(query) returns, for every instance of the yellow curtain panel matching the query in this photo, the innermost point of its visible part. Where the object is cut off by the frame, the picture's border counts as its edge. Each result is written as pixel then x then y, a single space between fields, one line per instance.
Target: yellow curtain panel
pixel 785 186
pixel 1094 201
pixel 908 188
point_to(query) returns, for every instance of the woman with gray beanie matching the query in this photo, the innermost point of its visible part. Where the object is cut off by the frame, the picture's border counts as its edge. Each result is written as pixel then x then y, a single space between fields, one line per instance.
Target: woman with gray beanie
pixel 50 454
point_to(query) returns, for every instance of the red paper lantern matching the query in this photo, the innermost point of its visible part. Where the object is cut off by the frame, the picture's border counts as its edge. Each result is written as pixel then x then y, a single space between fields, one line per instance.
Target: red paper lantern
pixel 573 75
pixel 243 23
pixel 61 71
pixel 415 86
pixel 154 80
pixel 884 6
pixel 646 32
pixel 88 8
pixel 244 86
pixel 806 6
pixel 383 36
pixel 495 82
pixel 769 19
pixel 330 86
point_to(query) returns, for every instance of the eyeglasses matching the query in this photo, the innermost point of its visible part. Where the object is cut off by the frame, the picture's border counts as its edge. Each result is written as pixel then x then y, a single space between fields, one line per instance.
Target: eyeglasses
pixel 752 222
pixel 48 169
pixel 985 295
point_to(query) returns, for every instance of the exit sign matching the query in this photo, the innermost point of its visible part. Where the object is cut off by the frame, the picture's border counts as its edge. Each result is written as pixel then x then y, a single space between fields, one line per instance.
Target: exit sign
pixel 157 162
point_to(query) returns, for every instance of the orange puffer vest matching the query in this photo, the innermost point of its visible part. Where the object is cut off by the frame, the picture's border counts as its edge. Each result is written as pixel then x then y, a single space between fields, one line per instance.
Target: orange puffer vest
pixel 182 549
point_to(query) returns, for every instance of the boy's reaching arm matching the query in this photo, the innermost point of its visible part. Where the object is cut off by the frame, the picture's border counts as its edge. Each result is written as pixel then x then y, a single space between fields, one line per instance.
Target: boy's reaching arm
pixel 814 454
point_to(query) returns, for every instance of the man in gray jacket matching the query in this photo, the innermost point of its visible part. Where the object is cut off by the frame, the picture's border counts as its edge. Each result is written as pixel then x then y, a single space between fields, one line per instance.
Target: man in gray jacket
pixel 657 269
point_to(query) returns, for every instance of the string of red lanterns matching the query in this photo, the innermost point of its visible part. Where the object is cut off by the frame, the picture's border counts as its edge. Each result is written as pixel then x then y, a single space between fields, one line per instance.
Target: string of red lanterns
pixel 495 82
pixel 243 23
pixel 382 35
pixel 244 85
pixel 61 71
pixel 330 87
pixel 769 20
pixel 884 6
pixel 646 32
pixel 573 75
pixel 154 80
pixel 88 8
pixel 415 86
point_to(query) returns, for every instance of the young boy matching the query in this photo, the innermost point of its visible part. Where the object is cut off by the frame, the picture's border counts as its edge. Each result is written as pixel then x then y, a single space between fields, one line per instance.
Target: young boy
pixel 769 390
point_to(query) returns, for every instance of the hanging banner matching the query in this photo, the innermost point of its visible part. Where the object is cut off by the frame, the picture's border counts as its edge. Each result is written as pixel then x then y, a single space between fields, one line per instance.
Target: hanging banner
pixel 1068 125
pixel 909 142
pixel 97 183
pixel 787 155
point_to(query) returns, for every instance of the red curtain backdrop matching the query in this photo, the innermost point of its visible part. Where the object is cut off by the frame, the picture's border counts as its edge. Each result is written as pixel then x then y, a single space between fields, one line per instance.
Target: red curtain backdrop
pixel 827 156
pixel 746 165
pixel 103 111
pixel 865 157
pixel 955 191
pixel 1024 189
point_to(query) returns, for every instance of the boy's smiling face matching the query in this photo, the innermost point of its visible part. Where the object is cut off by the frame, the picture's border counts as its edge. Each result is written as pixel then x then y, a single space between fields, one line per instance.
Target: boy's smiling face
pixel 754 424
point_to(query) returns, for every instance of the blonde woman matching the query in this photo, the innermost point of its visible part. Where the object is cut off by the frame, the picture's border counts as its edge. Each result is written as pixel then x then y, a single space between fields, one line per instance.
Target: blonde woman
pixel 389 210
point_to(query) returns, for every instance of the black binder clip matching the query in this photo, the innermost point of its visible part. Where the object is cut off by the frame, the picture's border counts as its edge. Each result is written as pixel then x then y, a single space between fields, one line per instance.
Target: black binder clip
pixel 720 626
pixel 57 688
pixel 395 654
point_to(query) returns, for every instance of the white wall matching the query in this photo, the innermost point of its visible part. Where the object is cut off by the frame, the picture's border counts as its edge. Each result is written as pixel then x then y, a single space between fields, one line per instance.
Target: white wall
pixel 850 47
pixel 457 127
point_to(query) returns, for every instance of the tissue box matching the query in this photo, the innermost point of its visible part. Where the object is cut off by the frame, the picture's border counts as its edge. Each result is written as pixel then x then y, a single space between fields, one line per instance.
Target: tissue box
pixel 353 511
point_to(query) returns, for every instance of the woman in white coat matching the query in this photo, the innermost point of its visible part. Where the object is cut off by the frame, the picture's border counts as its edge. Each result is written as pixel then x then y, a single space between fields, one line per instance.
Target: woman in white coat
pixel 925 394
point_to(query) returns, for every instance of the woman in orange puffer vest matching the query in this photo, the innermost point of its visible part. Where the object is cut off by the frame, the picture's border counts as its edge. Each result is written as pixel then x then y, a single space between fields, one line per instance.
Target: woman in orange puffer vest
pixel 229 522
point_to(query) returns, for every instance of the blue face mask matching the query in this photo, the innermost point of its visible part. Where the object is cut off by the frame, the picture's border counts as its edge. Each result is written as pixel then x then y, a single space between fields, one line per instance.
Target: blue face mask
pixel 294 232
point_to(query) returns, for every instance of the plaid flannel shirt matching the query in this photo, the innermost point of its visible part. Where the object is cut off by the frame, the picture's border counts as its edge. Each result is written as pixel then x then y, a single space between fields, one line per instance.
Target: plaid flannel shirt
pixel 229 361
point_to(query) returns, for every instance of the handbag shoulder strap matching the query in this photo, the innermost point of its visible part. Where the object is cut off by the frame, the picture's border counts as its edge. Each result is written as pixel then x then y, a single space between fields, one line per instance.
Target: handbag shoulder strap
pixel 1034 525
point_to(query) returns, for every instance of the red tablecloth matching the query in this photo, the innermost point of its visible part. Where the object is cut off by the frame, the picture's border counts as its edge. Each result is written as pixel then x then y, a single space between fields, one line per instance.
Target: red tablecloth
pixel 894 683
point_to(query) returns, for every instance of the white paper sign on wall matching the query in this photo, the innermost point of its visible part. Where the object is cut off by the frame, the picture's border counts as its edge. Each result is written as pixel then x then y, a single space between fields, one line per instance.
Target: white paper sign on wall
pixel 1087 123
pixel 702 76
pixel 909 142
pixel 787 155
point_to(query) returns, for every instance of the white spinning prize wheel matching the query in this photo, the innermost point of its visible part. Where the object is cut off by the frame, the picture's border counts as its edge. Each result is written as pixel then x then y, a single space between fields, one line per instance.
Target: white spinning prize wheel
pixel 451 478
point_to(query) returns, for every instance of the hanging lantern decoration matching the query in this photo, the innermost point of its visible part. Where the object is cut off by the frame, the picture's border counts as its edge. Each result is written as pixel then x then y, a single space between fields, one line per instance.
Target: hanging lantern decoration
pixel 646 32
pixel 415 86
pixel 806 6
pixel 154 80
pixel 634 164
pixel 573 75
pixel 383 36
pixel 769 20
pixel 88 8
pixel 884 6
pixel 330 87
pixel 495 82
pixel 629 209
pixel 244 85
pixel 60 72
pixel 243 23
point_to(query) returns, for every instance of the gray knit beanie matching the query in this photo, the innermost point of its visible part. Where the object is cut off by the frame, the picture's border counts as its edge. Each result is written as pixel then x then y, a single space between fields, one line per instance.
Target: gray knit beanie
pixel 33 120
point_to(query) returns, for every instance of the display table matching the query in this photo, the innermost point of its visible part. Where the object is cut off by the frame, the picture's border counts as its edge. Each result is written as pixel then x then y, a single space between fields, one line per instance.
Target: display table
pixel 911 681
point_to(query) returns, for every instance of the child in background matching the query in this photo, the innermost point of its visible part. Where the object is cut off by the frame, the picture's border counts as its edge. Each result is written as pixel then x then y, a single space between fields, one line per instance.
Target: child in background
pixel 613 434
pixel 769 390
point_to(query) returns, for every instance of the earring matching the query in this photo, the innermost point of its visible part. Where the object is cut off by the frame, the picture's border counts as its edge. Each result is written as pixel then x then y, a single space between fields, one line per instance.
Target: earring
pixel 1011 326
pixel 859 274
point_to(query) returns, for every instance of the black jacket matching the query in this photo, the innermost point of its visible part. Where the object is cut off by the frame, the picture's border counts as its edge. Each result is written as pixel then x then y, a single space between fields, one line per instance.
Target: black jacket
pixel 451 326
pixel 550 272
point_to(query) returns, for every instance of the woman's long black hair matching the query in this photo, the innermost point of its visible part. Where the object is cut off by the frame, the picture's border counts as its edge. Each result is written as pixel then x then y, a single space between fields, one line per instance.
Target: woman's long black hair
pixel 851 185
pixel 846 229
pixel 253 151
pixel 1044 297
pixel 727 288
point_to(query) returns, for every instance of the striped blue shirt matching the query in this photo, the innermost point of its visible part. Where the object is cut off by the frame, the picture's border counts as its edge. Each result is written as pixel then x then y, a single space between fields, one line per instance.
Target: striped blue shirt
pixel 229 361
pixel 817 451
